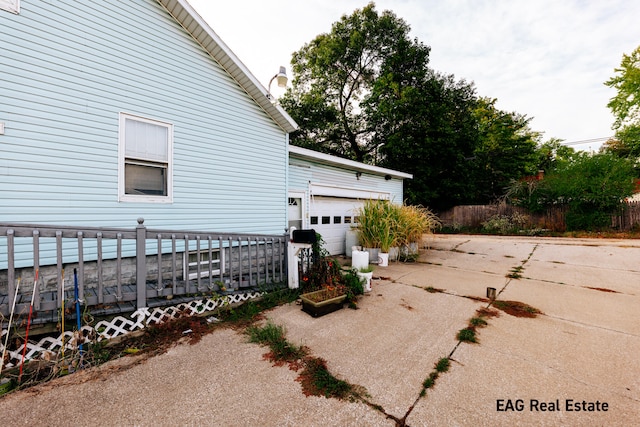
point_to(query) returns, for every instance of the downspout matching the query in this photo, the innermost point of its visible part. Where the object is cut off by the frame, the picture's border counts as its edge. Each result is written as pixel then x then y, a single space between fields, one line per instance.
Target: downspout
pixel 286 185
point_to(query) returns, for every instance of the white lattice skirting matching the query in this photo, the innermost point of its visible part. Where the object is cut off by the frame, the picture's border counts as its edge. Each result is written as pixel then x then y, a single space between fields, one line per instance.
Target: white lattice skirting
pixel 49 347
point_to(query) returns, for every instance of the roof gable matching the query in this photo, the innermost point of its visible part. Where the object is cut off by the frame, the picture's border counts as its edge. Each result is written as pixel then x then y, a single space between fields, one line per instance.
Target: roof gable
pixel 193 23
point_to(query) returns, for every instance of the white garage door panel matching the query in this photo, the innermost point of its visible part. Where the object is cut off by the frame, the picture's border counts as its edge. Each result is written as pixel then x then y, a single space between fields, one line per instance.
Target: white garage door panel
pixel 332 217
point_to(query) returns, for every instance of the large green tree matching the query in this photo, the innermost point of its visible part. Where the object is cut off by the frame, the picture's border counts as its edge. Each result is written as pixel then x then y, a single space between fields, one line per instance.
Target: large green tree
pixel 365 91
pixel 506 149
pixel 426 128
pixel 552 154
pixel 626 105
pixel 333 75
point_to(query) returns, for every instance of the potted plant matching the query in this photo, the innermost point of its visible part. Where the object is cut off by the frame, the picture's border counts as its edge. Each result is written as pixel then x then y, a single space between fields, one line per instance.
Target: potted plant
pixel 413 223
pixel 326 287
pixel 377 228
pixel 366 274
pixel 324 301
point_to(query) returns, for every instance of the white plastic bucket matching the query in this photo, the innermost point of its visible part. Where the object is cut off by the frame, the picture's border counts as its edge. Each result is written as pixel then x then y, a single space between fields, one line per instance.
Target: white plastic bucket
pixel 383 259
pixel 359 259
pixel 351 240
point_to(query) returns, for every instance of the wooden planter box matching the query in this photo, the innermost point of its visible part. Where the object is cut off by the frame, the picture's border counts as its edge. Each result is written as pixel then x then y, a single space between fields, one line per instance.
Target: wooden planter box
pixel 317 309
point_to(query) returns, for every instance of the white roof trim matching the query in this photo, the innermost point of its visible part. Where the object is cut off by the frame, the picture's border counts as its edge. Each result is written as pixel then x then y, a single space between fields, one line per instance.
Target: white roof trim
pixel 317 189
pixel 304 153
pixel 193 23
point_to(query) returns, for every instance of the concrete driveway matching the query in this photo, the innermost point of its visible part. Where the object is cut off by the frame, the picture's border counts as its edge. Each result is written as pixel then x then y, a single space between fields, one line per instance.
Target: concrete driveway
pixel 576 364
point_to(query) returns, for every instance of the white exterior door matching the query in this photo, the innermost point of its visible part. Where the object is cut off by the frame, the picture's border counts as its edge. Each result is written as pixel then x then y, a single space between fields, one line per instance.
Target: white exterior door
pixel 332 217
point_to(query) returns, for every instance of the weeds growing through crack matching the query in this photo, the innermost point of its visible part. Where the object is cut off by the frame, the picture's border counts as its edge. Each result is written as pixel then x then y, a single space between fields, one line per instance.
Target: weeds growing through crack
pixel 272 336
pixel 516 272
pixel 440 367
pixel 315 378
pixel 478 322
pixel 467 335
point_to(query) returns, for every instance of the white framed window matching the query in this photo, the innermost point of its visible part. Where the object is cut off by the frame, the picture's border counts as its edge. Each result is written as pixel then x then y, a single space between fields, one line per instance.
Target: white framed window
pixel 10 5
pixel 145 160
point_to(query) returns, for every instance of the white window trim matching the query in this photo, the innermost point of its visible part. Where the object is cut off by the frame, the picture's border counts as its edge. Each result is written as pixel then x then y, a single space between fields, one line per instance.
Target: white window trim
pixel 122 197
pixel 12 6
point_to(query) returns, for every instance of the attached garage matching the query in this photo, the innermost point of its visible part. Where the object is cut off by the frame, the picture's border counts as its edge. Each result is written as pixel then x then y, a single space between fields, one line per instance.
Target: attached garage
pixel 325 192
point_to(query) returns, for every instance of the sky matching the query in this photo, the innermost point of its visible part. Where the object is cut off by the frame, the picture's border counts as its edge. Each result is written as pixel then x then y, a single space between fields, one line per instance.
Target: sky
pixel 546 59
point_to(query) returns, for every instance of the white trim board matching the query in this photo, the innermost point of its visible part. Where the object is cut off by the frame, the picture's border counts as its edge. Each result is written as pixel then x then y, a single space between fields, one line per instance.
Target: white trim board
pixel 317 189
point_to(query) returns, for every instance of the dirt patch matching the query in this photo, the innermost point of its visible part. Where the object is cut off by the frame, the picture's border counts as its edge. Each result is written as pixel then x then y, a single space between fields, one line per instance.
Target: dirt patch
pixel 602 289
pixel 516 308
pixel 487 312
pixel 406 305
pixel 479 299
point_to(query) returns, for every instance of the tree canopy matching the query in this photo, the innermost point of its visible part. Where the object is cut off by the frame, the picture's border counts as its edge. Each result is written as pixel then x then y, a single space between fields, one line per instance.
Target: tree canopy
pixel 625 106
pixel 333 75
pixel 365 91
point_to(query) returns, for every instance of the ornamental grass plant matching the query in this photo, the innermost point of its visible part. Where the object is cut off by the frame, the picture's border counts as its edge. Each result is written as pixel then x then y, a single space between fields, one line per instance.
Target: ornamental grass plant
pixel 383 224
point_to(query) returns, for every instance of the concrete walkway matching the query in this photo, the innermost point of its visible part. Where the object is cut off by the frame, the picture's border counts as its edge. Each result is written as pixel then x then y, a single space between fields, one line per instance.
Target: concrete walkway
pixel 585 347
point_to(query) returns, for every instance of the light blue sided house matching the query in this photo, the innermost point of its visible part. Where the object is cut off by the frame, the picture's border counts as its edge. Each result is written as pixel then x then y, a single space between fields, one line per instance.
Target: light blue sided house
pixel 111 111
pixel 114 110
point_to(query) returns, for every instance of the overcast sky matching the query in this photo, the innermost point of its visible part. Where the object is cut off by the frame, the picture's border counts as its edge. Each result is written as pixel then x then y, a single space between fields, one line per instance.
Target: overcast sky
pixel 547 59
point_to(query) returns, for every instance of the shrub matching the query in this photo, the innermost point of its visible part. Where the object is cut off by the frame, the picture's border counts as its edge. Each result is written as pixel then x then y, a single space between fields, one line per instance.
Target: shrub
pixel 505 224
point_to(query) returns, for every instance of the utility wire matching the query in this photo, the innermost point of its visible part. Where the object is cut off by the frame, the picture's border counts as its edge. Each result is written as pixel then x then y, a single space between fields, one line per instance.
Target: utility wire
pixel 586 141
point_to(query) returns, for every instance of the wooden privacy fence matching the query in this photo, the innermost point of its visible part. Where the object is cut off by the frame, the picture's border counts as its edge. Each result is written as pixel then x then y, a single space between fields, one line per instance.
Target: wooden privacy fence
pixel 553 219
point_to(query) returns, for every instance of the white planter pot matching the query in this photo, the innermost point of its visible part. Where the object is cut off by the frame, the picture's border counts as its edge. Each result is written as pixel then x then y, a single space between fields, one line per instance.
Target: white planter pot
pixel 367 280
pixel 373 254
pixel 351 239
pixel 383 259
pixel 359 259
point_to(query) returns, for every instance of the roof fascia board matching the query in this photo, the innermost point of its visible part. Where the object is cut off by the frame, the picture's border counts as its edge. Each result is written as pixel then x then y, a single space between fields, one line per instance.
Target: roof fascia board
pixel 305 153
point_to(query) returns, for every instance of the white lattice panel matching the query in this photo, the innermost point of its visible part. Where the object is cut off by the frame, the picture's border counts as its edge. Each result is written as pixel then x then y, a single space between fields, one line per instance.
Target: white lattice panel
pixel 119 326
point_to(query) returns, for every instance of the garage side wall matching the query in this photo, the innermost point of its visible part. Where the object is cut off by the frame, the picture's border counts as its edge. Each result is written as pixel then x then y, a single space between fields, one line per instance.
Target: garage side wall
pixel 333 194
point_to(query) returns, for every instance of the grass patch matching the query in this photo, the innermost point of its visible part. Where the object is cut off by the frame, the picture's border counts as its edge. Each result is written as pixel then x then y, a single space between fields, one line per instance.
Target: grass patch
pixel 443 364
pixel 430 381
pixel 478 322
pixel 516 272
pixel 467 335
pixel 272 336
pixel 316 380
pixel 433 290
pixel 251 310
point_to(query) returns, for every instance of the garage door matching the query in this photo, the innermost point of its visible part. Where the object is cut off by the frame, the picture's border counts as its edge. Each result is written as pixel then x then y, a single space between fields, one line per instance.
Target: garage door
pixel 332 217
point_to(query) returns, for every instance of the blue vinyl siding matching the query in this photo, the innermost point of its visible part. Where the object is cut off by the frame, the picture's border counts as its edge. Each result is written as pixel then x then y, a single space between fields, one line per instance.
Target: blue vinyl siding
pixel 70 67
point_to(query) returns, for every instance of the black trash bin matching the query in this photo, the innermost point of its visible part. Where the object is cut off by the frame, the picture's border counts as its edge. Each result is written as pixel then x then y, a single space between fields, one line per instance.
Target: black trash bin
pixel 305 236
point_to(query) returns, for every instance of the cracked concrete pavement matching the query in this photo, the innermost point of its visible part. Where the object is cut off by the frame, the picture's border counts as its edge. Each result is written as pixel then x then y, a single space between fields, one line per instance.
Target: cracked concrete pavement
pixel 584 347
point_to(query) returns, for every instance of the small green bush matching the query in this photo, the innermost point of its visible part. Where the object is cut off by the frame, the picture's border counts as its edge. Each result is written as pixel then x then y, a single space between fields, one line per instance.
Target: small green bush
pixel 505 224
